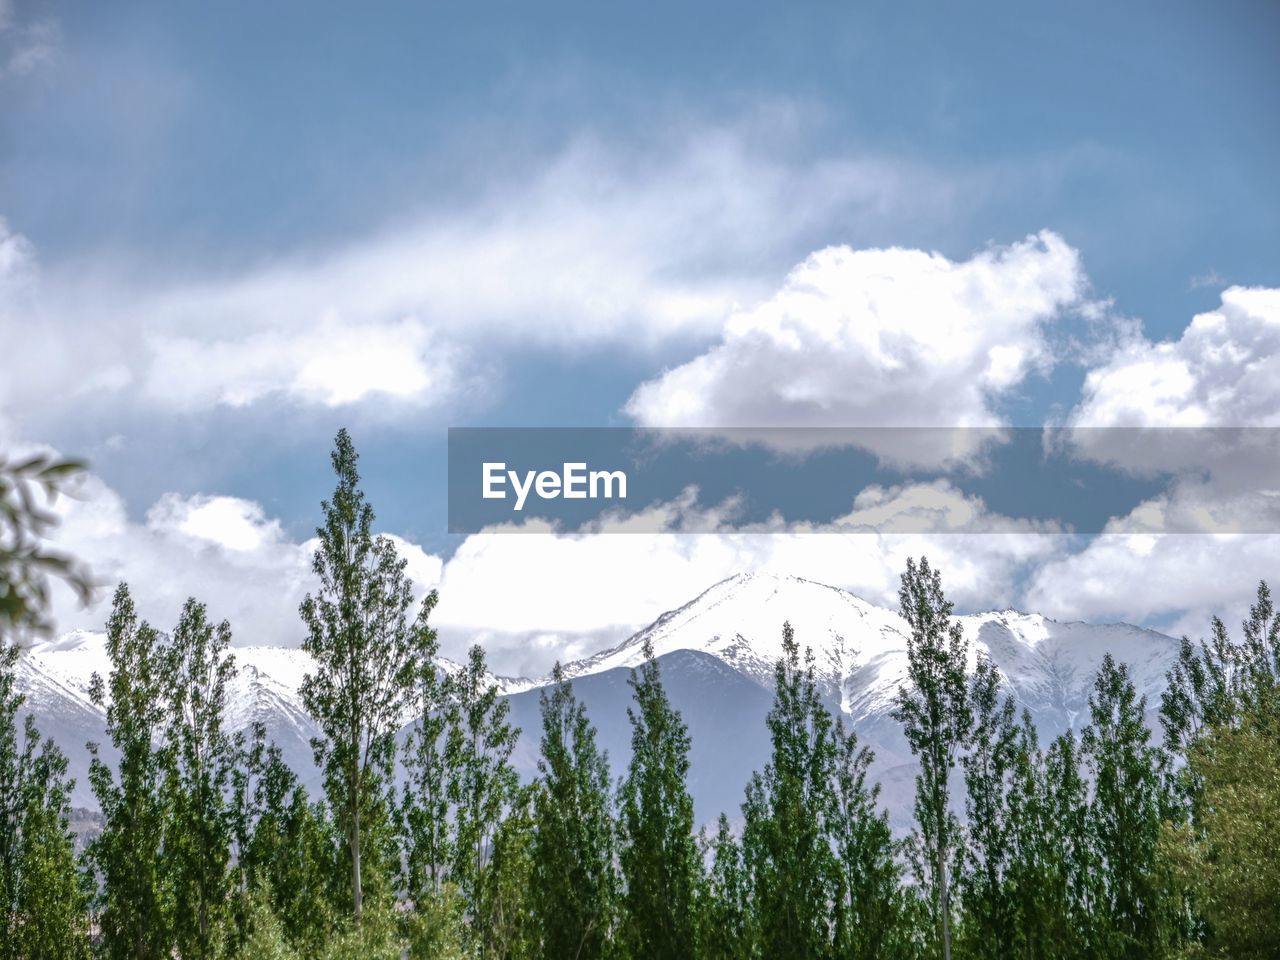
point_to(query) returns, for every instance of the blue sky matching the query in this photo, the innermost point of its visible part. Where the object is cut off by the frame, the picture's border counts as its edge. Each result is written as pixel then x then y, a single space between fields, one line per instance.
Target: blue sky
pixel 598 188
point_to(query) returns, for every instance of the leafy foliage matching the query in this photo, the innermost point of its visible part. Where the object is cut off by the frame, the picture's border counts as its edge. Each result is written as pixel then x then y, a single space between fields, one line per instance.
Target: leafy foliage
pixel 936 718
pixel 29 487
pixel 657 850
pixel 1109 846
pixel 573 881
pixel 367 653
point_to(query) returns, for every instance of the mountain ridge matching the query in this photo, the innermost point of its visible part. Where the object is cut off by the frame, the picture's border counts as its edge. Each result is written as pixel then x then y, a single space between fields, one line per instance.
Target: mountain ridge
pixel 858 648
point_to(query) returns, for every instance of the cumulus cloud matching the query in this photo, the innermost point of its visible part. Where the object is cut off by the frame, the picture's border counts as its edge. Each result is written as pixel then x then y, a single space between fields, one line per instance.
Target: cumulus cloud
pixel 1224 371
pixel 566 596
pixel 535 596
pixel 223 550
pixel 1174 581
pixel 877 338
pixel 595 247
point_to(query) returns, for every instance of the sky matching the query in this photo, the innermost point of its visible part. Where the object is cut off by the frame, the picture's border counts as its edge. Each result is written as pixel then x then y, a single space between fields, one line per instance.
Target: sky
pixel 230 229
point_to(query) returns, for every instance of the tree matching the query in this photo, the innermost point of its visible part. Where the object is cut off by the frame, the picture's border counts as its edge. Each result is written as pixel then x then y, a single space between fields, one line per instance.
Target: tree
pixel 867 903
pixel 1125 813
pixel 483 785
pixel 788 808
pixel 724 905
pixel 52 906
pixel 135 915
pixel 43 911
pixel 573 886
pixel 1049 866
pixel 199 833
pixel 934 712
pixel 366 651
pixel 990 926
pixel 504 918
pixel 657 849
pixel 1220 685
pixel 424 812
pixel 1230 860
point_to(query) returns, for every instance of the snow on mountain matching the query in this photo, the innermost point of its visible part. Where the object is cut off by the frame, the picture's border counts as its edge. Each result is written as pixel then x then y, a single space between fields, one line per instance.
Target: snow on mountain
pixel 859 652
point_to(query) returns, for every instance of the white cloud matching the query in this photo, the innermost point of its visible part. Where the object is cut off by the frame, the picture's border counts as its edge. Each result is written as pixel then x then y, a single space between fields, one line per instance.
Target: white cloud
pixel 877 338
pixel 531 597
pixel 1224 371
pixel 1179 581
pixel 594 248
pixel 223 550
pixel 571 595
pixel 330 364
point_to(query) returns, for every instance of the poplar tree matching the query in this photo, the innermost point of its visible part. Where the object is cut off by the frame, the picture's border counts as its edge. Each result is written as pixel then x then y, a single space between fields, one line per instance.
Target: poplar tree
pixel 135 916
pixel 658 852
pixel 366 650
pixel 867 901
pixel 199 833
pixel 1218 685
pixel 935 715
pixel 1230 862
pixel 988 764
pixel 573 851
pixel 482 783
pixel 1049 870
pixel 43 911
pixel 429 765
pixel 15 797
pixel 52 905
pixel 788 807
pixel 504 916
pixel 1125 813
pixel 724 905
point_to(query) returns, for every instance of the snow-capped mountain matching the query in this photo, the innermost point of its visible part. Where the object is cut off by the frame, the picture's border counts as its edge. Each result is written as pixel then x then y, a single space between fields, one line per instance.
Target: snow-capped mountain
pixel 717 653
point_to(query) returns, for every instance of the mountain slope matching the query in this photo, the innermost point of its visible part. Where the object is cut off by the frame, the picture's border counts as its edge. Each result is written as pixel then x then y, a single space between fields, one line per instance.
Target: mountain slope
pixel 717 654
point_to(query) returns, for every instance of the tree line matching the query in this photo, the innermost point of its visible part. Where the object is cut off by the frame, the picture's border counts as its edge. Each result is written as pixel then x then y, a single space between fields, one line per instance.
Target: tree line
pixel 1109 844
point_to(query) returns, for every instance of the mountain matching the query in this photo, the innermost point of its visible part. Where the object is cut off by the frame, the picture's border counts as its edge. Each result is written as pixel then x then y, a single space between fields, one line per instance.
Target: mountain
pixel 717 655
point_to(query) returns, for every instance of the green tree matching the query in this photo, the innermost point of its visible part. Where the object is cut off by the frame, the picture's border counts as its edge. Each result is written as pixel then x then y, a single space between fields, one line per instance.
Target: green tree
pixel 573 852
pixel 424 812
pixel 988 907
pixel 868 908
pixel 300 872
pixel 1049 868
pixel 1230 860
pixel 935 715
pixel 43 912
pixel 483 785
pixel 198 837
pixel 1219 685
pixel 786 841
pixel 366 650
pixel 724 904
pixel 508 930
pixel 135 916
pixel 658 852
pixel 52 906
pixel 1125 814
